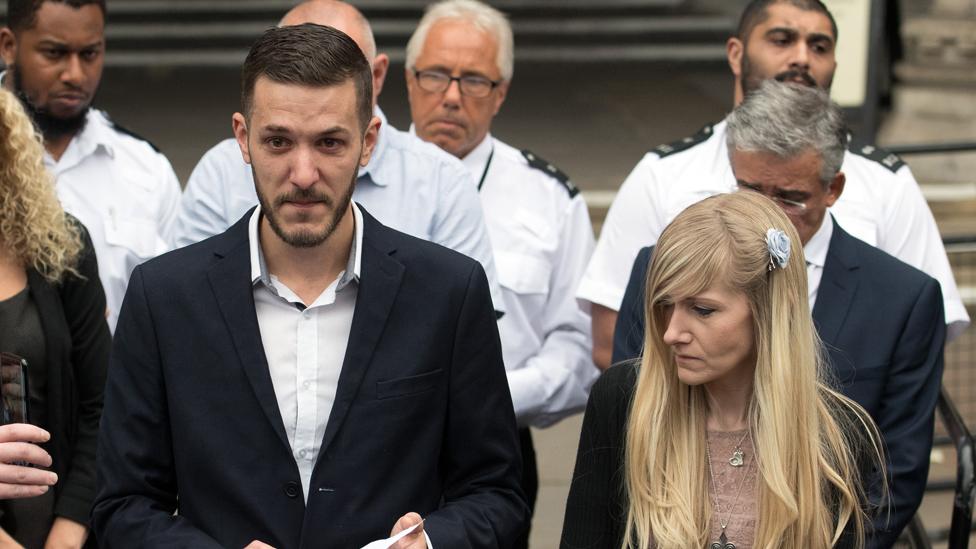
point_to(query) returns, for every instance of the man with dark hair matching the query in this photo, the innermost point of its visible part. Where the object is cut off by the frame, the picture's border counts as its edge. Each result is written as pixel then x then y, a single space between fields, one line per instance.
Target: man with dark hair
pixel 117 184
pixel 310 377
pixel 409 185
pixel 788 41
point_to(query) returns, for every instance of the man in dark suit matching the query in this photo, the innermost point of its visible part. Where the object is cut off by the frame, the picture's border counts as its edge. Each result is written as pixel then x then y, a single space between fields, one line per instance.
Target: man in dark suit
pixel 309 378
pixel 881 320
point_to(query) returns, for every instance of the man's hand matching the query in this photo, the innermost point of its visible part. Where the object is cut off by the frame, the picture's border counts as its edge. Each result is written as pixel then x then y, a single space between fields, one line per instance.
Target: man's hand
pixel 66 534
pixel 258 545
pixel 17 445
pixel 413 540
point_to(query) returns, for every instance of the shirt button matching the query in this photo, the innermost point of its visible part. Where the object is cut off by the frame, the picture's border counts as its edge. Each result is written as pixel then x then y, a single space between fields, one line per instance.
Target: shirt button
pixel 303 453
pixel 291 489
pixel 306 384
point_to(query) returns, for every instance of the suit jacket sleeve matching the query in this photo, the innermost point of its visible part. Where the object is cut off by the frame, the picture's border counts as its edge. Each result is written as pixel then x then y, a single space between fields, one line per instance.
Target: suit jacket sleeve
pixel 137 489
pixel 483 505
pixel 83 300
pixel 907 411
pixel 628 334
pixel 597 505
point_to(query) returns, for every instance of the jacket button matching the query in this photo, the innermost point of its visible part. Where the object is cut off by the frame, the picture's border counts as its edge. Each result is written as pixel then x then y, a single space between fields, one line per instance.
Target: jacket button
pixel 292 489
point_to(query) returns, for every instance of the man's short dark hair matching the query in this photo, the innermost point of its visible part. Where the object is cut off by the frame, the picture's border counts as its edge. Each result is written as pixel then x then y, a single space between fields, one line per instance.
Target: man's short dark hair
pixel 755 13
pixel 22 14
pixel 308 55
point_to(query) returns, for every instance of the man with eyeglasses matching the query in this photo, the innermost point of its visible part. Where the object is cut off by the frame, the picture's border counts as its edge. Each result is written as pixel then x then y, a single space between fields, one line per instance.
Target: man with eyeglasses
pixel 788 41
pixel 408 185
pixel 458 69
pixel 880 319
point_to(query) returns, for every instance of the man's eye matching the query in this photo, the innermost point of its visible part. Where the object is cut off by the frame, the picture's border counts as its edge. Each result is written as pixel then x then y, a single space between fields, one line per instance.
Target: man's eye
pixel 53 53
pixel 330 144
pixel 276 142
pixel 89 55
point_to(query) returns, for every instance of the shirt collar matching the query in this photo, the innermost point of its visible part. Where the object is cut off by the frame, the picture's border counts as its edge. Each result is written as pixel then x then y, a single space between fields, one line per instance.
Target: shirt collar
pixel 259 267
pixel 477 159
pixel 374 169
pixel 815 251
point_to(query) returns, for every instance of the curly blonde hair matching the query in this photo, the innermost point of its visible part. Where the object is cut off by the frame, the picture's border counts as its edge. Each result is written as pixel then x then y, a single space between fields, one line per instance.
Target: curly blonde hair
pixel 33 227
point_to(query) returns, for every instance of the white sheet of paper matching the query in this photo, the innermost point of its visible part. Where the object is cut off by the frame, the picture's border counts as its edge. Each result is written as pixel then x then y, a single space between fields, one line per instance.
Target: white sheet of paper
pixel 384 543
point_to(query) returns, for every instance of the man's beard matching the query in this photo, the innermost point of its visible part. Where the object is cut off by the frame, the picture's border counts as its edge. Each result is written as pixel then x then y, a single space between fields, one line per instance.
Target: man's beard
pixel 51 127
pixel 751 82
pixel 304 238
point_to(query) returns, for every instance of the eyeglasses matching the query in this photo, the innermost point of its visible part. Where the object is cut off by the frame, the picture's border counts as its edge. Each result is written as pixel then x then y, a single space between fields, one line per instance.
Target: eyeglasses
pixel 438 82
pixel 787 205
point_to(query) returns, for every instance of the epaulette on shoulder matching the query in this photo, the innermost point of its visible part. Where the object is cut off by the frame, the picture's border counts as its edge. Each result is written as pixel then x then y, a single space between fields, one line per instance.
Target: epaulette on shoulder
pixel 683 144
pixel 540 164
pixel 886 158
pixel 131 133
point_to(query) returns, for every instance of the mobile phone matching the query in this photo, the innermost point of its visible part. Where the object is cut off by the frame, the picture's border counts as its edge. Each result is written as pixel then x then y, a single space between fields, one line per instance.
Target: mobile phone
pixel 14 391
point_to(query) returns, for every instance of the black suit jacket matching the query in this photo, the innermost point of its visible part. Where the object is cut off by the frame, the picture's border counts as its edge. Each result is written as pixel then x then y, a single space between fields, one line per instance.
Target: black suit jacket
pixel 77 343
pixel 422 419
pixel 883 326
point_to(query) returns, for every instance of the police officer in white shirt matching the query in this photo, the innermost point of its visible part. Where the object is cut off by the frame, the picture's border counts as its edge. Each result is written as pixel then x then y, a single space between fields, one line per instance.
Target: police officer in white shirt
pixel 458 69
pixel 408 185
pixel 881 205
pixel 118 185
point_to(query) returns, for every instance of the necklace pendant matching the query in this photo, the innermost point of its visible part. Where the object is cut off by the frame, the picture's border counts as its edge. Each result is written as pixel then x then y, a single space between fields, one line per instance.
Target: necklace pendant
pixel 736 459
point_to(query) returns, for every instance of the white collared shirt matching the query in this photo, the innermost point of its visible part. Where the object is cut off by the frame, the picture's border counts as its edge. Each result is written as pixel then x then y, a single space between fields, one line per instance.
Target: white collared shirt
pixel 815 252
pixel 124 192
pixel 305 345
pixel 881 205
pixel 542 238
pixel 408 185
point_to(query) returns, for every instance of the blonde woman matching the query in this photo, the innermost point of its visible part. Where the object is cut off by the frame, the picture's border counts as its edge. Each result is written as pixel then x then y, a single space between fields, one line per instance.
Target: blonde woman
pixel 724 436
pixel 52 312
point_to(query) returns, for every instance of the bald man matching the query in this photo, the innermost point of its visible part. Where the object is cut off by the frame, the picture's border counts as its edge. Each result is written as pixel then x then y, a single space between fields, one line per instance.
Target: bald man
pixel 408 185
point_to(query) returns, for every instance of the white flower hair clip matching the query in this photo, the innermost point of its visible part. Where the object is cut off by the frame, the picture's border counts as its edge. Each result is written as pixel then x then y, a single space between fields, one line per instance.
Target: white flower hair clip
pixel 779 248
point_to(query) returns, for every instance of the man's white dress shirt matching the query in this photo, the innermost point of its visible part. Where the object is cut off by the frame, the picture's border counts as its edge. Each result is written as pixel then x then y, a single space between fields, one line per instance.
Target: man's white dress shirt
pixel 408 185
pixel 542 239
pixel 881 205
pixel 305 344
pixel 124 192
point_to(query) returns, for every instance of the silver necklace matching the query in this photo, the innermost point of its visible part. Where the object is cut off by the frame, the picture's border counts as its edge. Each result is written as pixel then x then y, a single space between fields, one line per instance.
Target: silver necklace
pixel 737 458
pixel 723 540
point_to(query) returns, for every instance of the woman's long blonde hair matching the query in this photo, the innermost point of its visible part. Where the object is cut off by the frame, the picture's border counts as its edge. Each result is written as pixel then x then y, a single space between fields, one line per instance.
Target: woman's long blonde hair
pixel 809 438
pixel 33 228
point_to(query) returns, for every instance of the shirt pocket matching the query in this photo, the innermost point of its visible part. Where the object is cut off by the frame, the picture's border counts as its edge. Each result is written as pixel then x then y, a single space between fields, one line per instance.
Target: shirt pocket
pixel 135 235
pixel 523 273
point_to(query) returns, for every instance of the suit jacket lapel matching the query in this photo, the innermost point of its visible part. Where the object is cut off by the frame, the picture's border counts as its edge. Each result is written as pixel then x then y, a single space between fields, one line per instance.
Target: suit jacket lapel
pixel 837 286
pixel 230 278
pixel 379 284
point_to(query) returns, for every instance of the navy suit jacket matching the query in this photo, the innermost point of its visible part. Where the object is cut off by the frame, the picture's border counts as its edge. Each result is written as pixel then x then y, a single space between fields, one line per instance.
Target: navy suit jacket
pixel 883 328
pixel 422 419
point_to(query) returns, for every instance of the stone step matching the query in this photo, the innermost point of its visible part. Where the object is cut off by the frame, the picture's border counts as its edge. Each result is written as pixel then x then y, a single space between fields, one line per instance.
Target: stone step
pixel 152 33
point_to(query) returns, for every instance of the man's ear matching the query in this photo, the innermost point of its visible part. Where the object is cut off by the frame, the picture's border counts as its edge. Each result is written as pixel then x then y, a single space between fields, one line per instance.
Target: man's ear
pixel 835 188
pixel 734 49
pixel 239 125
pixel 381 65
pixel 369 140
pixel 8 46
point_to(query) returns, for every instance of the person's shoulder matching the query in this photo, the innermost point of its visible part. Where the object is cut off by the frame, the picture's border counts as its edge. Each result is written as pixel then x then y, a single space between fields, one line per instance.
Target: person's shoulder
pixel 543 171
pixel 618 382
pixel 687 146
pixel 883 268
pixel 123 137
pixel 412 250
pixel 865 155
